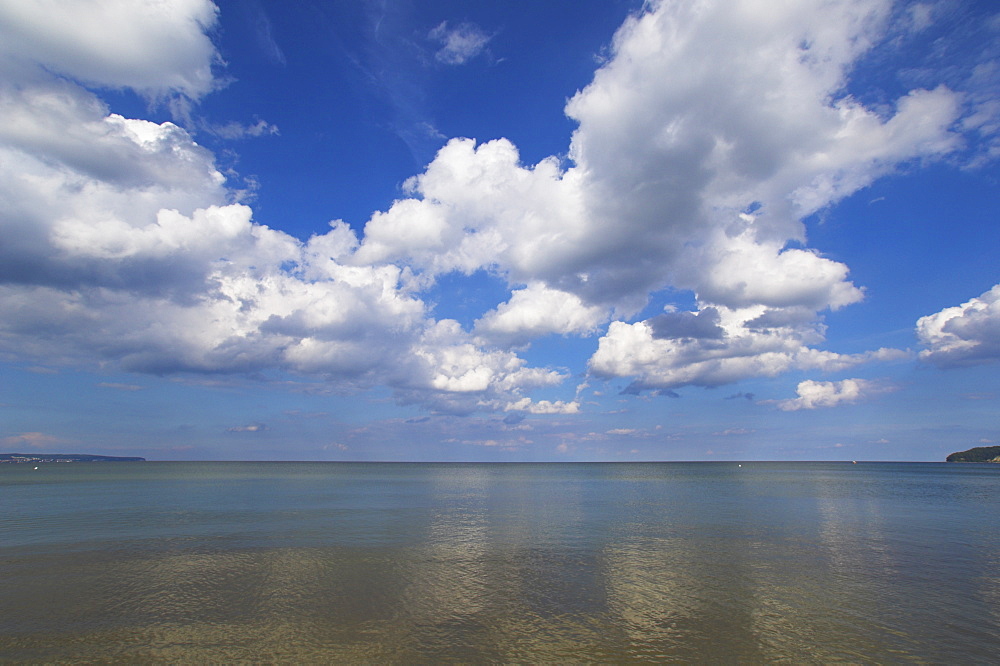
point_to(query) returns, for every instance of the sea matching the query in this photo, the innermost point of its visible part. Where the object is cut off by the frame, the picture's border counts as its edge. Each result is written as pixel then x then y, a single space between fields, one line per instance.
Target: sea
pixel 413 563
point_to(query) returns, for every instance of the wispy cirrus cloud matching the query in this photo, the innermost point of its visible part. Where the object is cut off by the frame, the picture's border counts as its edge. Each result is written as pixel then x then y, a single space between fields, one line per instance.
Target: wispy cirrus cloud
pixel 35 440
pixel 118 386
pixel 460 43
pixel 252 427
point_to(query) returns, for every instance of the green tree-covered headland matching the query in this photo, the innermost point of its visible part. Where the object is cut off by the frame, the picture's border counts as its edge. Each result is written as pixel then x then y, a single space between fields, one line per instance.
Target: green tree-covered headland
pixel 978 454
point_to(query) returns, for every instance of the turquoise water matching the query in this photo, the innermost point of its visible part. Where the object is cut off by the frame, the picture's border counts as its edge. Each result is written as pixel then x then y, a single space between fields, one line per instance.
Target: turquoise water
pixel 500 563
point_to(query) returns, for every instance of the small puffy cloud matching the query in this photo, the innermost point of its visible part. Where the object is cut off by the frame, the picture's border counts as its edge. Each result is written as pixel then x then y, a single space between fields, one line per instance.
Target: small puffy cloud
pixel 252 427
pixel 921 15
pixel 813 394
pixel 729 432
pixel 966 334
pixel 459 44
pixel 336 446
pixel 237 130
pixel 543 406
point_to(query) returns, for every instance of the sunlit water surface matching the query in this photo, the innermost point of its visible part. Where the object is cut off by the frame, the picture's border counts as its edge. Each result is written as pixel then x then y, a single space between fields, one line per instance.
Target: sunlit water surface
pixel 495 563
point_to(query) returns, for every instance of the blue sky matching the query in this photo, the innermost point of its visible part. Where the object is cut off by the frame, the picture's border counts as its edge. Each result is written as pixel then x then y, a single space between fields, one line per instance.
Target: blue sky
pixel 500 231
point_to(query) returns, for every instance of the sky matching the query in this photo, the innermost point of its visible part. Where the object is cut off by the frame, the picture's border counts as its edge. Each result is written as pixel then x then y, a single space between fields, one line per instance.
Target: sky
pixel 587 230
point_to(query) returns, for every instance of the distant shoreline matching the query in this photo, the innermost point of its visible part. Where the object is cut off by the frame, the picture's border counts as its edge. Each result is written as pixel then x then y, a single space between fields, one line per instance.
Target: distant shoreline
pixel 27 458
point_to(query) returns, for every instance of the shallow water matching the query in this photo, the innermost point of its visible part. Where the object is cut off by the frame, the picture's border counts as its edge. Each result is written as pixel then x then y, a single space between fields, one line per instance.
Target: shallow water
pixel 498 563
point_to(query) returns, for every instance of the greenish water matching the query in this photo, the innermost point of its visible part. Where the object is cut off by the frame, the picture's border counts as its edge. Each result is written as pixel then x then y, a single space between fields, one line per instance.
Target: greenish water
pixel 499 563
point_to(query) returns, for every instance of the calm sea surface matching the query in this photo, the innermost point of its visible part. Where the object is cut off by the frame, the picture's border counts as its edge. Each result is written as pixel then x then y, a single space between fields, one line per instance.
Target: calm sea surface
pixel 500 563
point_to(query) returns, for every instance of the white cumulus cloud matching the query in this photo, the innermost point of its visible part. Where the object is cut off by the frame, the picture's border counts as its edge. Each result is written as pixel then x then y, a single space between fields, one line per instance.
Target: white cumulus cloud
pixel 543 406
pixel 750 342
pixel 712 130
pixel 153 47
pixel 738 110
pixel 538 310
pixel 813 394
pixel 966 334
pixel 122 244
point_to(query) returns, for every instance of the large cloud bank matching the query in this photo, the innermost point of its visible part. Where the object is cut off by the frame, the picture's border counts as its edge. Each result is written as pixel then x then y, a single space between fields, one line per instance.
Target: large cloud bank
pixel 709 134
